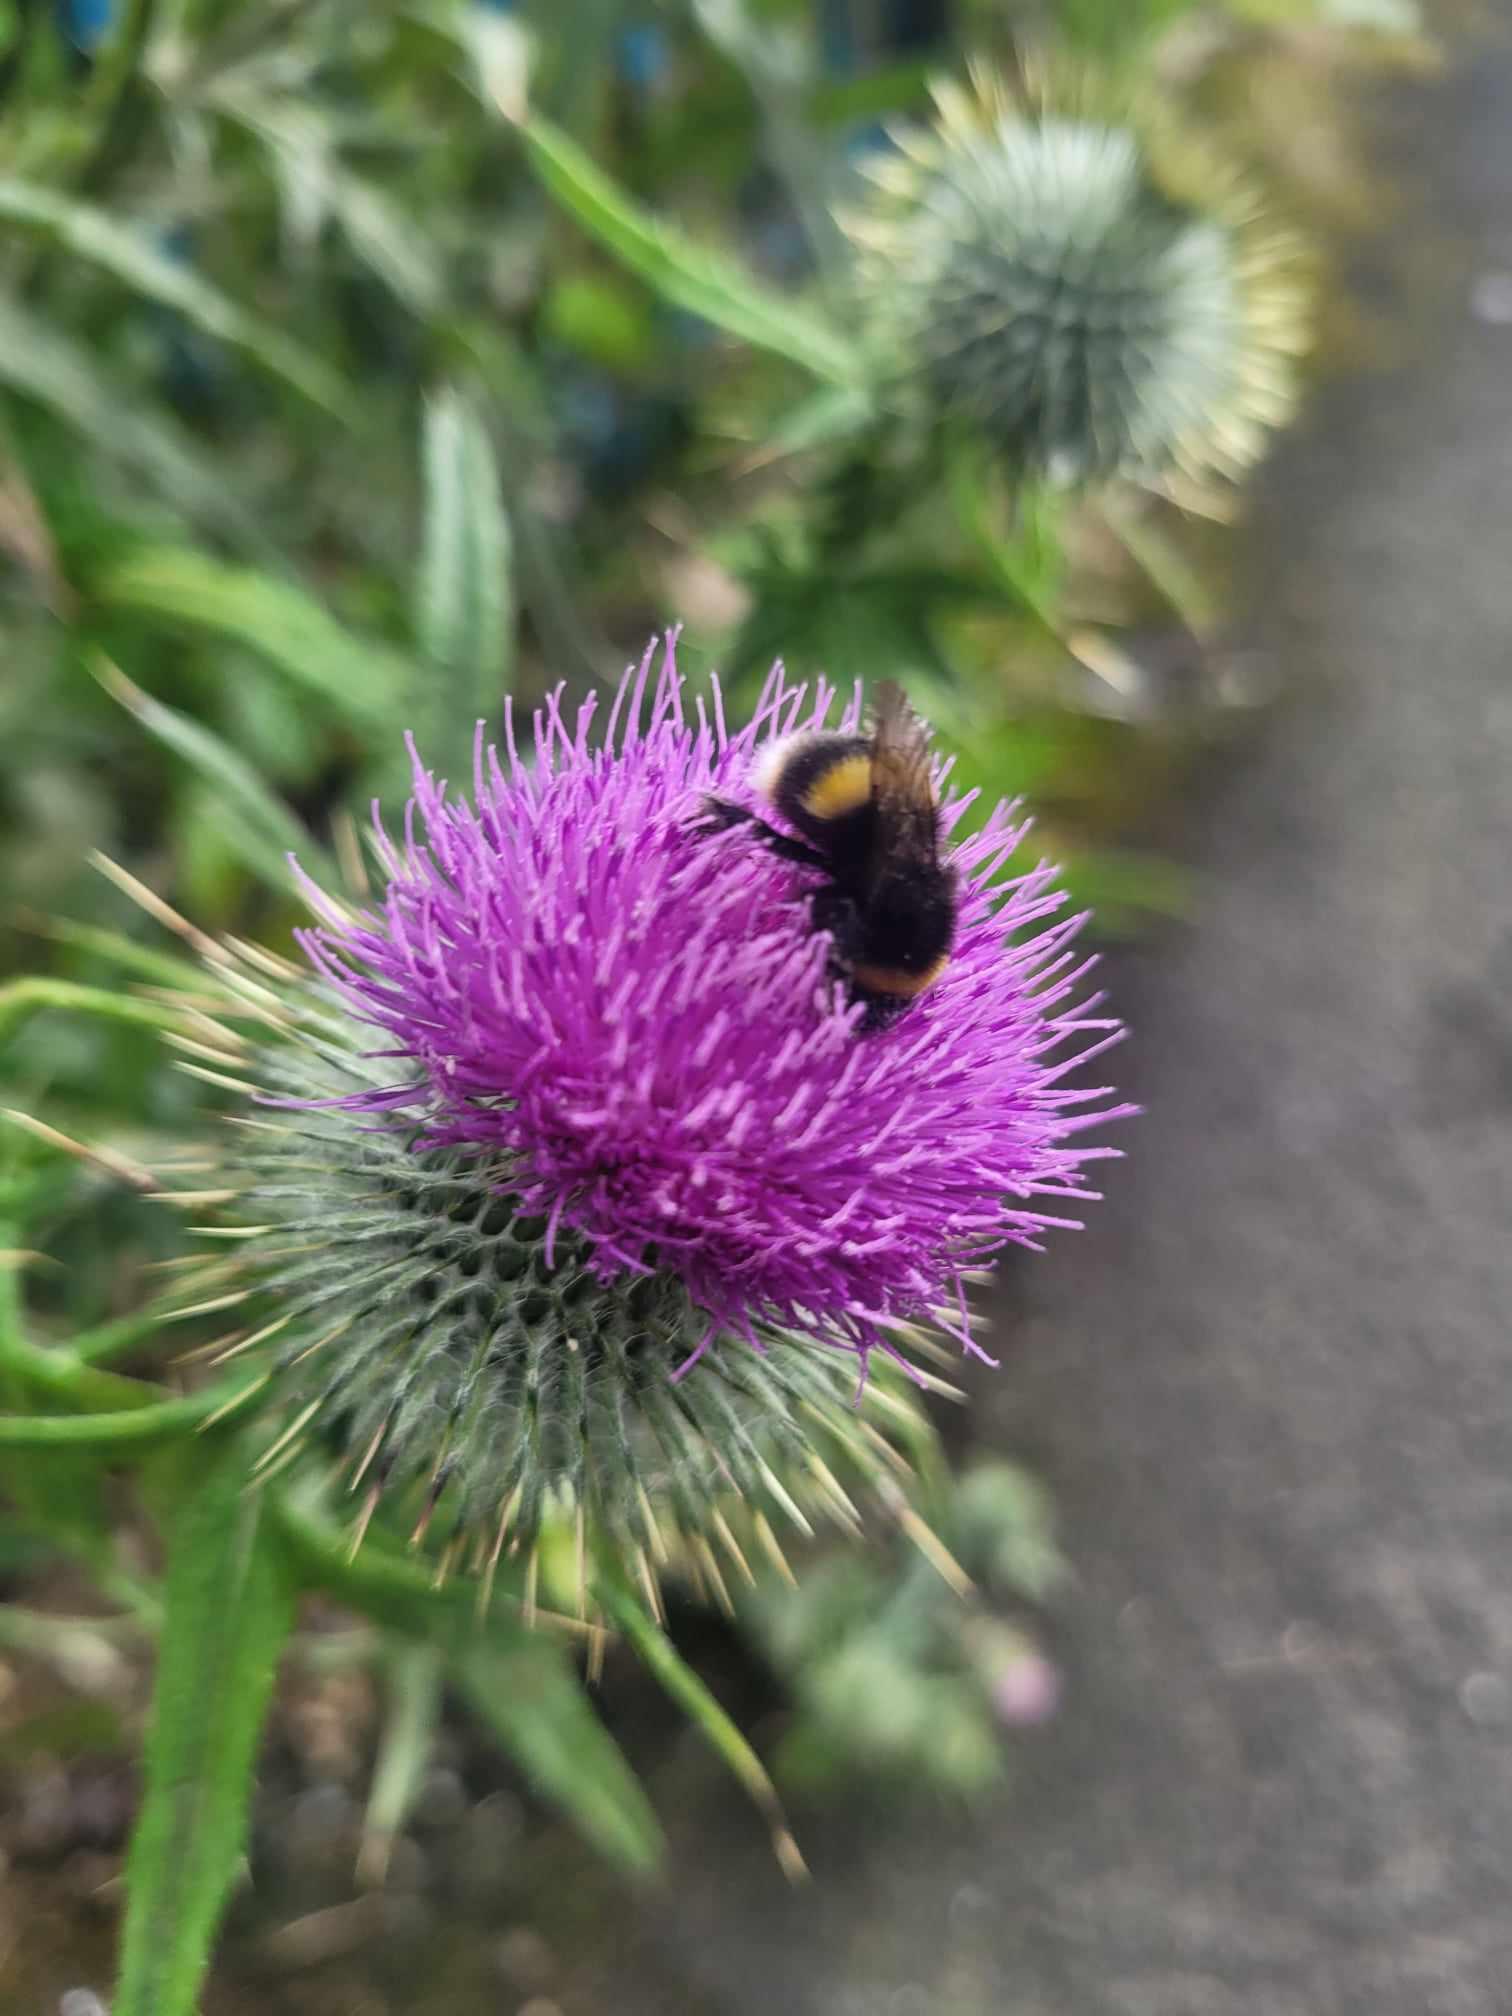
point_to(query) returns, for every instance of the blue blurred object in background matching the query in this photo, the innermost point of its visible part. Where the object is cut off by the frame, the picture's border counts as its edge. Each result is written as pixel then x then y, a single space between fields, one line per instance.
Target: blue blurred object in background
pixel 86 23
pixel 642 54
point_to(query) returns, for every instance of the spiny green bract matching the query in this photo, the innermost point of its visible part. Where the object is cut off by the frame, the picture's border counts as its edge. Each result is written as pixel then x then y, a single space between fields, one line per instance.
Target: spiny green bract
pixel 1088 296
pixel 427 1344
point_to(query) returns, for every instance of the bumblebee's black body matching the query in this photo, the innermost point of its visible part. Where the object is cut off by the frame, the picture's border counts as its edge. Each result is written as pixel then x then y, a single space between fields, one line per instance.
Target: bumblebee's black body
pixel 864 806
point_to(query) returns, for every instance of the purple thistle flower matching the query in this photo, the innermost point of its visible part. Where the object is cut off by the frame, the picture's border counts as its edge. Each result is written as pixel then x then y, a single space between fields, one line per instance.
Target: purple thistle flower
pixel 633 1024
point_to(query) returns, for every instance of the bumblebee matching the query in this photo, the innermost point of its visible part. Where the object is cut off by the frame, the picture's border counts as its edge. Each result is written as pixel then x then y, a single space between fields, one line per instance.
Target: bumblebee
pixel 864 812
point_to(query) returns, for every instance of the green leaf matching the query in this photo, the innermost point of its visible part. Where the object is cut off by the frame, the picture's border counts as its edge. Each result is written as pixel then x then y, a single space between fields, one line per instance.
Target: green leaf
pixel 1127 890
pixel 823 418
pixel 62 1497
pixel 12 1325
pixel 1026 569
pixel 229 1607
pixel 58 1494
pixel 61 1377
pixel 391 245
pixel 40 361
pixel 691 276
pixel 365 680
pixel 521 1686
pixel 21 999
pixel 1003 1523
pixel 131 1428
pixel 463 600
pixel 605 317
pixel 666 1666
pixel 263 832
pixel 1167 569
pixel 119 1336
pixel 413 1674
pixel 535 1705
pixel 392 1589
pixel 95 236
pixel 317 185
pixel 57 1497
pixel 116 949
pixel 496 47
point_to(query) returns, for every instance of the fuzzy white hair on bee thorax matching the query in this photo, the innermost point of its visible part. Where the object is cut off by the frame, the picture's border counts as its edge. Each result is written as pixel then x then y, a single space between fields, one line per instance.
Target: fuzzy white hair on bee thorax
pixel 775 758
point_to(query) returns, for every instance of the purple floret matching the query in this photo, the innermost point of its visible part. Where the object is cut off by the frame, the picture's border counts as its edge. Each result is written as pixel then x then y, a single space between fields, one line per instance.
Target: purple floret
pixel 633 1022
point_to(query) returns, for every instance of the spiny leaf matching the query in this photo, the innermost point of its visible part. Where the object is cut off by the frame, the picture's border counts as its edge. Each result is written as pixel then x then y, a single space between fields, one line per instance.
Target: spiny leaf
pixel 229 1608
pixel 692 276
pixel 95 236
pixel 665 1665
pixel 265 833
pixel 535 1705
pixel 414 1674
pixel 365 680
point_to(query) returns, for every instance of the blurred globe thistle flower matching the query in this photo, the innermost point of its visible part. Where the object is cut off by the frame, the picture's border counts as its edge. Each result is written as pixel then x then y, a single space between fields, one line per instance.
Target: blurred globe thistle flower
pixel 1079 285
pixel 574 1109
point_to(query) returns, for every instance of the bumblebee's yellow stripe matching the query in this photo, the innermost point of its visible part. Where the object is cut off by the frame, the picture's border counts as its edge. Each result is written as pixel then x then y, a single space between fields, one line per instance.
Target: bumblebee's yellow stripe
pixel 844 787
pixel 893 980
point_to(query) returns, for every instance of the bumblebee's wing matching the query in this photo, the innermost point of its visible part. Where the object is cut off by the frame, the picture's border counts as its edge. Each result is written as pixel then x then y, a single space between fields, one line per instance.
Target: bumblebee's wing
pixel 903 791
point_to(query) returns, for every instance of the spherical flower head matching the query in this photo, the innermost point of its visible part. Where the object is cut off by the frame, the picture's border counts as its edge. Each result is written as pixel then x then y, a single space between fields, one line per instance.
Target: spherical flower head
pixel 632 1024
pixel 1081 287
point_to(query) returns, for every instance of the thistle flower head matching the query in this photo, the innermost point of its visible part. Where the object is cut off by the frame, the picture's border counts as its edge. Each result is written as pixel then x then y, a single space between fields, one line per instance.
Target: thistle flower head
pixel 1086 290
pixel 631 1022
pixel 577 1106
pixel 456 1373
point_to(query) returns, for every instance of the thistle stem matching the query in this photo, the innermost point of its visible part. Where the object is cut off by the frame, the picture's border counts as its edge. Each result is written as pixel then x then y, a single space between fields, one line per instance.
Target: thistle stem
pixel 1005 561
pixel 1157 559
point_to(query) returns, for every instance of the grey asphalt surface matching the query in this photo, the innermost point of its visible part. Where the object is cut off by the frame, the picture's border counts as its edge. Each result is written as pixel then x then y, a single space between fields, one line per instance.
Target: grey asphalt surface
pixel 1272 1386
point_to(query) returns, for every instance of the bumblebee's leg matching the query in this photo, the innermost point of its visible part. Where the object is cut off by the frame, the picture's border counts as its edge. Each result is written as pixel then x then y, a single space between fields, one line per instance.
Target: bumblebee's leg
pixel 720 815
pixel 882 1010
pixel 836 913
